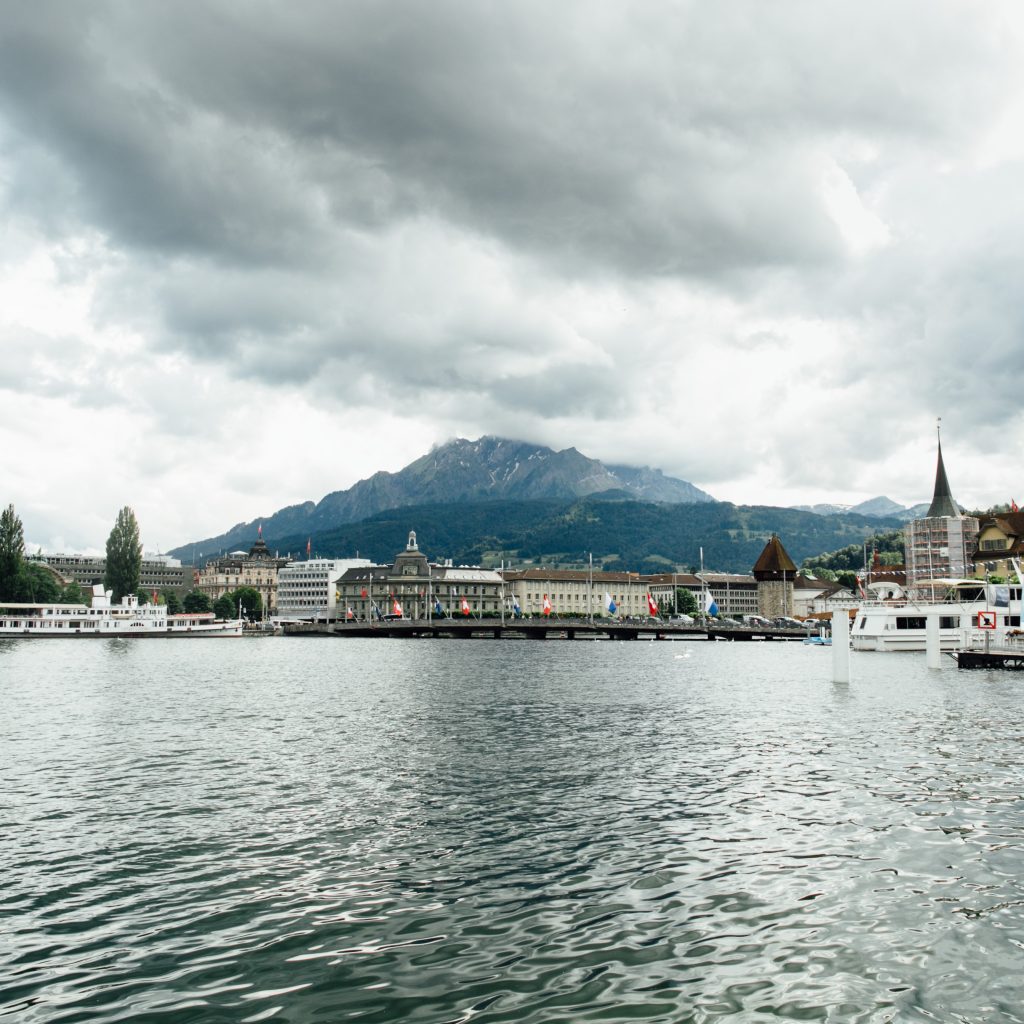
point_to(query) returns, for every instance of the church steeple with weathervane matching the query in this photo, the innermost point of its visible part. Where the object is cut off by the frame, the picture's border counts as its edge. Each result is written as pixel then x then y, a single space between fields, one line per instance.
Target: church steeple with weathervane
pixel 940 543
pixel 942 500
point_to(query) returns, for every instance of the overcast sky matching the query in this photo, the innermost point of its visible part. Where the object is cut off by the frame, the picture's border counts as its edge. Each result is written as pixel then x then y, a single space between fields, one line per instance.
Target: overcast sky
pixel 251 253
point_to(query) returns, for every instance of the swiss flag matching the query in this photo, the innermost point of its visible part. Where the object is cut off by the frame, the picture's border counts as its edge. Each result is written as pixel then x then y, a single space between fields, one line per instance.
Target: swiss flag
pixel 652 605
pixel 465 607
pixel 362 593
pixel 397 607
pixel 547 605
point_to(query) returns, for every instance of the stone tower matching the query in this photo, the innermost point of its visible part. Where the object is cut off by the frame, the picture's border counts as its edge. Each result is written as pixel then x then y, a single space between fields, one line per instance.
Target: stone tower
pixel 774 572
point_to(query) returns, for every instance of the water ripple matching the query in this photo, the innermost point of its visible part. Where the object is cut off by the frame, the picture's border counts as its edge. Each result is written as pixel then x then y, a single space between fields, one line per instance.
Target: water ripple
pixel 477 831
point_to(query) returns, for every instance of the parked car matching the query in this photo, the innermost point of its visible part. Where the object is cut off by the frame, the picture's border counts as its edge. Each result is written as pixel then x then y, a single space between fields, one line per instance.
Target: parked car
pixel 786 622
pixel 681 620
pixel 757 621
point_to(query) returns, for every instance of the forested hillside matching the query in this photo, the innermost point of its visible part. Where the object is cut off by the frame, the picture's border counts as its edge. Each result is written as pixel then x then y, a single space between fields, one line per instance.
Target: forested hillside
pixel 621 535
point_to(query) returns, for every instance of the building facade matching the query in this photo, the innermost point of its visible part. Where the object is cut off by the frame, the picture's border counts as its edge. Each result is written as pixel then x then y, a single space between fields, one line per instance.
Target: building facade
pixel 309 590
pixel 416 588
pixel 159 572
pixel 257 568
pixel 1000 541
pixel 577 592
pixel 735 594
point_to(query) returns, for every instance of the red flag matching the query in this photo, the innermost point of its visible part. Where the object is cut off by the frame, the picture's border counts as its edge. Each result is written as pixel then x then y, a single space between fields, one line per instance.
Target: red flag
pixel 351 614
pixel 154 597
pixel 259 532
pixel 547 605
pixel 397 607
pixel 652 605
pixel 465 607
pixel 309 544
pixel 1013 506
pixel 860 586
pixel 362 593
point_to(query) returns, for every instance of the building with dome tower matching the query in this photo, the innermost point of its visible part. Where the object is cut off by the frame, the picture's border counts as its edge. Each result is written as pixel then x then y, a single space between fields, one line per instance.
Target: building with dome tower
pixel 256 568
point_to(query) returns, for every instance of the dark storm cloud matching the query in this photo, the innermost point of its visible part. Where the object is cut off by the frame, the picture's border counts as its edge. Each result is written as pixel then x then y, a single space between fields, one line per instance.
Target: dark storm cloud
pixel 662 142
pixel 371 199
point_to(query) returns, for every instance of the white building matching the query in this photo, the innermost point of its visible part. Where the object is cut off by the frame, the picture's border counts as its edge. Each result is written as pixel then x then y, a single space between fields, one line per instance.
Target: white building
pixel 576 592
pixel 309 590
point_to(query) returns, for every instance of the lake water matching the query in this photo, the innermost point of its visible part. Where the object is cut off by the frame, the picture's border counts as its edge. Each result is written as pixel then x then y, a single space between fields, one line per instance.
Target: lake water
pixel 313 830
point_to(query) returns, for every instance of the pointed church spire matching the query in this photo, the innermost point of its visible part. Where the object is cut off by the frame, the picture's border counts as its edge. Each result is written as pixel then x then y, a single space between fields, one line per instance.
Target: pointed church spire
pixel 943 505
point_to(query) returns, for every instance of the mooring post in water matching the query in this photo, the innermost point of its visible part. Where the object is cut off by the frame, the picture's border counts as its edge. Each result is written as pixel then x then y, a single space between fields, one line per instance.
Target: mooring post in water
pixel 933 642
pixel 841 646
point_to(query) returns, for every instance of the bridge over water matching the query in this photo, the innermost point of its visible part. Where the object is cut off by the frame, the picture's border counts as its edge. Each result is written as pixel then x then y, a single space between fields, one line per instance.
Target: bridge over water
pixel 548 629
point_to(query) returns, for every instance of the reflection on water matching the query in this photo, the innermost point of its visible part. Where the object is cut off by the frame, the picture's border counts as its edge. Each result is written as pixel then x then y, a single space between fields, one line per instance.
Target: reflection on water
pixel 292 830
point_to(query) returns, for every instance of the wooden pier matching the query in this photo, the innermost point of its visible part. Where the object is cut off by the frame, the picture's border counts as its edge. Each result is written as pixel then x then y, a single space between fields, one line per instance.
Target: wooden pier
pixel 550 629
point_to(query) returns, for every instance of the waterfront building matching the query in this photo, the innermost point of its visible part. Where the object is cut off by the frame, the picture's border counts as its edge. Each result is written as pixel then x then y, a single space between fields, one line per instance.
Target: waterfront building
pixel 414 587
pixel 256 568
pixel 577 592
pixel 309 589
pixel 940 543
pixel 158 572
pixel 829 597
pixel 775 573
pixel 1000 538
pixel 734 593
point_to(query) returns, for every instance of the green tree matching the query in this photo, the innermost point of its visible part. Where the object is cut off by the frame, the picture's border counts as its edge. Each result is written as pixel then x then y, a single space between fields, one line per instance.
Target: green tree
pixel 144 596
pixel 252 603
pixel 225 608
pixel 173 602
pixel 847 579
pixel 124 556
pixel 37 584
pixel 73 593
pixel 197 601
pixel 12 553
pixel 686 602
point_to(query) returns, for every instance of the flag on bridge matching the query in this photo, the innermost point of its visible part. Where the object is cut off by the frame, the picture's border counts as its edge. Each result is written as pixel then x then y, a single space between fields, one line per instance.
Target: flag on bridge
pixel 709 604
pixel 610 605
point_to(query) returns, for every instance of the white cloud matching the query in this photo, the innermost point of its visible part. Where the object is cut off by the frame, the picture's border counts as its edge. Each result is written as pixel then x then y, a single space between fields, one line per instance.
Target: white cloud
pixel 262 256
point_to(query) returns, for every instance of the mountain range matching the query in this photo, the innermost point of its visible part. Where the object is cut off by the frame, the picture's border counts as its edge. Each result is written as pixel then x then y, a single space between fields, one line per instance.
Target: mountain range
pixel 494 499
pixel 880 507
pixel 488 469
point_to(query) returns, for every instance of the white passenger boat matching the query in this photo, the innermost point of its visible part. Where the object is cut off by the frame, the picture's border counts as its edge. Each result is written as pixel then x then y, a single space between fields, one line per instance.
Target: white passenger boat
pixel 128 618
pixel 901 624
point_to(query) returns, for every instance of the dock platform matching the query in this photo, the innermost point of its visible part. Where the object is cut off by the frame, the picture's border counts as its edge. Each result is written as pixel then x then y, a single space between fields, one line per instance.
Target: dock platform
pixel 1010 659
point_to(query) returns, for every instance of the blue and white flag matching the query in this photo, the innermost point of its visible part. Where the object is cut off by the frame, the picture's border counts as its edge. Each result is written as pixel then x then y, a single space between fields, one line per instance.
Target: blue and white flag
pixel 438 610
pixel 515 607
pixel 709 604
pixel 609 604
